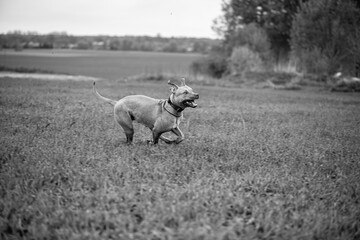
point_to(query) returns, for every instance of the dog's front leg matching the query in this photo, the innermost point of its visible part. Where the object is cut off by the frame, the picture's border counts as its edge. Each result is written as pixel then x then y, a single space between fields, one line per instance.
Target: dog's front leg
pixel 156 136
pixel 166 140
pixel 180 135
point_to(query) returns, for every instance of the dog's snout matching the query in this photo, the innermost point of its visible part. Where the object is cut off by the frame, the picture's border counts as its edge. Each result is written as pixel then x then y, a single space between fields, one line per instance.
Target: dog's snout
pixel 196 95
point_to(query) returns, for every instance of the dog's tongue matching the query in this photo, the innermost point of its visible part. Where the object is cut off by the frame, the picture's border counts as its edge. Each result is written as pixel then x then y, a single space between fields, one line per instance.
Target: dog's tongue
pixel 191 104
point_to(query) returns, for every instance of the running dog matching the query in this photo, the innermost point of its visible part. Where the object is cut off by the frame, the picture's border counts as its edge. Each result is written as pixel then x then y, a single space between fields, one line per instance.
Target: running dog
pixel 160 115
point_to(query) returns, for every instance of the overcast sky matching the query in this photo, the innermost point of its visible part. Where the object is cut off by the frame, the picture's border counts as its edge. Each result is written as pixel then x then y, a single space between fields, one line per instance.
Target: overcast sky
pixel 190 18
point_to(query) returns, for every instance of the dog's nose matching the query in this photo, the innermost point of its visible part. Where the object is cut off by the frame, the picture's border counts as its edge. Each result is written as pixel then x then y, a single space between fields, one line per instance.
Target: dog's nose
pixel 196 95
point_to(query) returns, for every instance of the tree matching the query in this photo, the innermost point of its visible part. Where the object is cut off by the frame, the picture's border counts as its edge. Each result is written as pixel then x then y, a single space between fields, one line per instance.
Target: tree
pixel 126 45
pixel 274 16
pixel 330 29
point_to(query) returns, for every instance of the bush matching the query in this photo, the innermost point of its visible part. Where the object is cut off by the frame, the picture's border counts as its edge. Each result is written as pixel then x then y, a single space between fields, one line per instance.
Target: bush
pixel 254 38
pixel 213 65
pixel 324 36
pixel 247 50
pixel 243 60
pixel 315 62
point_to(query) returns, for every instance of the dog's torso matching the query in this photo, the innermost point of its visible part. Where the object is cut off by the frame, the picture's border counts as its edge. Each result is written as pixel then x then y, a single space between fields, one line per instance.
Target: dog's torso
pixel 147 111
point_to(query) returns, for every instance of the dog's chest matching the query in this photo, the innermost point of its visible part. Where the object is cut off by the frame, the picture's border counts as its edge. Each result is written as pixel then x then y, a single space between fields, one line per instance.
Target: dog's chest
pixel 177 121
pixel 167 122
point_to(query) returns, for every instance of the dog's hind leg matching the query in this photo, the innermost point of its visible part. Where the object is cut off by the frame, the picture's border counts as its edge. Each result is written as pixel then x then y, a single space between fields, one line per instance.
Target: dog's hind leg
pixel 125 121
pixel 129 135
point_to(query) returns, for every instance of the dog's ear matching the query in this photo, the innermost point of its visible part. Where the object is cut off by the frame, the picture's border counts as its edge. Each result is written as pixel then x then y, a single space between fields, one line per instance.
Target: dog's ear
pixel 173 84
pixel 183 81
pixel 173 89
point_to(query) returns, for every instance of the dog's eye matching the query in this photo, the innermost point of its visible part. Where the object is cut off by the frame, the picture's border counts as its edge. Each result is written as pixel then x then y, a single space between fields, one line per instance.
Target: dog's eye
pixel 186 92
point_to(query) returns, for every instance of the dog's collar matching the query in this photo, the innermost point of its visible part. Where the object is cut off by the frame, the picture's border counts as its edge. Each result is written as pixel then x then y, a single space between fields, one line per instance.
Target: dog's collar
pixel 177 108
pixel 172 109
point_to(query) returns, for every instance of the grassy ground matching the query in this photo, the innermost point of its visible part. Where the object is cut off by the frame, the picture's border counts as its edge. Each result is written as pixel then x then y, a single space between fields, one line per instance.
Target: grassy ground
pixel 255 164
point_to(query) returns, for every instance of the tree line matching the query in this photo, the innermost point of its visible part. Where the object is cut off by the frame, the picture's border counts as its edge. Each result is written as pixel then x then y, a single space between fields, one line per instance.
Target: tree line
pixel 61 40
pixel 316 36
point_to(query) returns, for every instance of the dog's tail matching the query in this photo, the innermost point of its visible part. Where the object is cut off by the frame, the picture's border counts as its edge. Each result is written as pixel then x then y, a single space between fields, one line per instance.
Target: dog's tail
pixel 108 100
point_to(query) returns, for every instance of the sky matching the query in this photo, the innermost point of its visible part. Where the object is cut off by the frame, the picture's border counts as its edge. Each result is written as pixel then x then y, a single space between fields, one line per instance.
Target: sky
pixel 169 18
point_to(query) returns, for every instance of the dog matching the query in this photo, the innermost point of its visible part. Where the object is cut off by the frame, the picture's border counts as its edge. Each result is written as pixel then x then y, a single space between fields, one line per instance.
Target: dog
pixel 160 115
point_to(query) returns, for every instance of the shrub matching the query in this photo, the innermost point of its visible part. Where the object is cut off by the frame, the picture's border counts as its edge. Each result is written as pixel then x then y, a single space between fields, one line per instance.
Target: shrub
pixel 214 65
pixel 288 66
pixel 315 62
pixel 254 38
pixel 243 59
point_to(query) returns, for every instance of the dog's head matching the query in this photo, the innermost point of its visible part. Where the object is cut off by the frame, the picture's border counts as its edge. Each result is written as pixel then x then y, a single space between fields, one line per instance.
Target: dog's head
pixel 183 95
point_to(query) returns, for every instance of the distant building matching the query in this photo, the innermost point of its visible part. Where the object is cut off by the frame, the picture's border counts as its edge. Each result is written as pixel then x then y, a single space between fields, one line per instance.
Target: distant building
pixel 32 44
pixel 98 45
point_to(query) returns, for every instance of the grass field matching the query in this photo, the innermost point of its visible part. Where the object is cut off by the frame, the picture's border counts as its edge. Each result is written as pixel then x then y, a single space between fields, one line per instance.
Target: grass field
pixel 112 65
pixel 255 164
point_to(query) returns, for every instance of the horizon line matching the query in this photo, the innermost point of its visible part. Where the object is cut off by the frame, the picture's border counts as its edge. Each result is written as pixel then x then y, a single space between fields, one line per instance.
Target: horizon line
pixel 63 32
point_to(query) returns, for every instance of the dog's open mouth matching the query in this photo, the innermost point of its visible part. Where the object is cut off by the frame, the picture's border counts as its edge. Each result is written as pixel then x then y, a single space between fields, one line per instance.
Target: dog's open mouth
pixel 190 103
